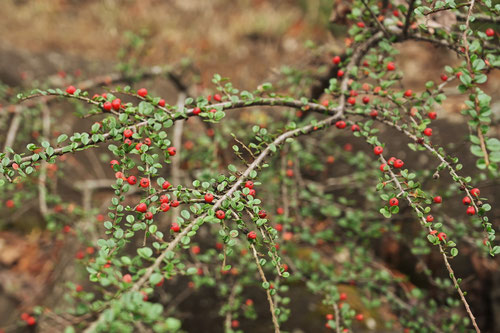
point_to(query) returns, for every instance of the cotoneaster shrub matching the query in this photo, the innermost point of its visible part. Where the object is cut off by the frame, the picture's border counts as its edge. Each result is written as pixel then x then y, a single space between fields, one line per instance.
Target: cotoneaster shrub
pixel 248 211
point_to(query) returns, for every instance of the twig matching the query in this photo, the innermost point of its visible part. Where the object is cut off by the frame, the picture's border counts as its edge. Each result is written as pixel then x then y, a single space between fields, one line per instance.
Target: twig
pixel 380 25
pixel 177 142
pixel 409 14
pixel 269 297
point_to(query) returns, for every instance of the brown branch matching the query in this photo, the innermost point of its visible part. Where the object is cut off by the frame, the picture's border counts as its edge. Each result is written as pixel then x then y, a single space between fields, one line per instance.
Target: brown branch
pixel 269 297
pixel 408 17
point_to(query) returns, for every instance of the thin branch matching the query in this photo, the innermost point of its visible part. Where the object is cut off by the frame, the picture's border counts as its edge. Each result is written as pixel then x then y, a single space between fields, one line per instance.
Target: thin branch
pixel 409 15
pixel 269 297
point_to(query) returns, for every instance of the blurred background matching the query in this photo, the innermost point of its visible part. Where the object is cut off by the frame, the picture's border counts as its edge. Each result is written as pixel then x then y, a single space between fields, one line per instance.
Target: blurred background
pixel 53 43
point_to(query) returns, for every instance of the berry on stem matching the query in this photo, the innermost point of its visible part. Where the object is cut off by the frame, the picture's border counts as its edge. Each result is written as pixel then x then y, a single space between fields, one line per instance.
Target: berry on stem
pixel 378 150
pixel 252 235
pixel 471 210
pixel 71 90
pixel 209 197
pixel 438 199
pixel 141 208
pixel 132 180
pixel 144 182
pixel 220 214
pixel 393 202
pixel 142 92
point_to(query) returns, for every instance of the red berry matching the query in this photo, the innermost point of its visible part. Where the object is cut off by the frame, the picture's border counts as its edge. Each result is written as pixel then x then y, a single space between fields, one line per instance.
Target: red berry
pixel 428 131
pixel 359 317
pixel 71 90
pixel 171 151
pixel 279 227
pixel 438 199
pixel 382 167
pixel 252 235
pixel 196 110
pixel 166 184
pixel 164 198
pixel 393 202
pixel 220 214
pixel 360 24
pixel 466 201
pixel 398 163
pixel 142 92
pixel 138 146
pixel 280 211
pixel 175 203
pixel 148 216
pixel 391 66
pixel 175 227
pixel 429 218
pixel 235 323
pixel 343 296
pixel 378 150
pixel 249 184
pixel 128 133
pixel 141 208
pixel 408 93
pixel 351 100
pixel 209 197
pixel 471 210
pixel 289 173
pixel 395 13
pixel 340 73
pixel 329 316
pixel 116 103
pixel 336 60
pixel 31 321
pixel 161 102
pixel 127 142
pixel 353 93
pixel 252 191
pixel 144 182
pixel 107 106
pixel 490 32
pixel 165 207
pixel 147 142
pixel 132 180
pixel 354 128
pixel 475 192
pixel 25 316
pixel 432 115
pixel 340 124
pixel 444 77
pixel 391 160
pixel 217 97
pixel 127 278
pixel 441 236
pixel 366 99
pixel 262 214
pixel 373 113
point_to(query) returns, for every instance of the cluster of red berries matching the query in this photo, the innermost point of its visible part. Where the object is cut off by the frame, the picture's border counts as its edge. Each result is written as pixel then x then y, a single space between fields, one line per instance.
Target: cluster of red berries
pixel 28 319
pixel 467 201
pixel 330 316
pixel 393 161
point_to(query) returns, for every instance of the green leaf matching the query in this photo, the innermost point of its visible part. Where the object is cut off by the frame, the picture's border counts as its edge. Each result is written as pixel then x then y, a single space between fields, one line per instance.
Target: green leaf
pixel 145 252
